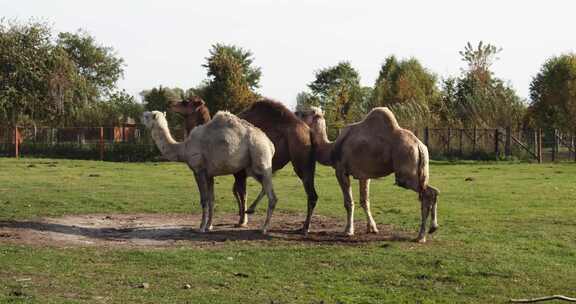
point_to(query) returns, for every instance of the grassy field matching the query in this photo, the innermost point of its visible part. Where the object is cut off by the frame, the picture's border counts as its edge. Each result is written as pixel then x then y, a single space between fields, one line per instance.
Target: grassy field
pixel 507 233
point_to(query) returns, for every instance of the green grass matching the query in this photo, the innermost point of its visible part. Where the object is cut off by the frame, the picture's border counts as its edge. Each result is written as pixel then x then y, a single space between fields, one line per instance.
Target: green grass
pixel 508 233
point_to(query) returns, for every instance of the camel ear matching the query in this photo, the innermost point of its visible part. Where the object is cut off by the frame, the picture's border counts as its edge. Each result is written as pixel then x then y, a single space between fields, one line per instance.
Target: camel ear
pixel 156 115
pixel 164 113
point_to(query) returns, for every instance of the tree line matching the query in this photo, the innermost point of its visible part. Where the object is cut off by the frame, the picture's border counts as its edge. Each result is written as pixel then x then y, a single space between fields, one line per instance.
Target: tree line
pixel 69 79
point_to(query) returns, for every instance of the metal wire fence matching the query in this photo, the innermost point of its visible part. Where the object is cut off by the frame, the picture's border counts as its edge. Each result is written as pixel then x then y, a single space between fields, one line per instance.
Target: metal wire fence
pixel 134 143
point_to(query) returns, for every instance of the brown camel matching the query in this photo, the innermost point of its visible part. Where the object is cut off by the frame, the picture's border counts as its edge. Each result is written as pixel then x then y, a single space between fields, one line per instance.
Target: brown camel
pixel 291 138
pixel 375 147
pixel 223 146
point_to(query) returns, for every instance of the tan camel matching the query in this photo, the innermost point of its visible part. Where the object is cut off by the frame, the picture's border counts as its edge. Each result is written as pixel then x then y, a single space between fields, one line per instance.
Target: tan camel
pixel 291 138
pixel 225 145
pixel 375 147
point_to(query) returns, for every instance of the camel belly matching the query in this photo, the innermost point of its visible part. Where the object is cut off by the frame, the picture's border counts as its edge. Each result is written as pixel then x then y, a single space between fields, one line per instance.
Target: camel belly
pixel 364 170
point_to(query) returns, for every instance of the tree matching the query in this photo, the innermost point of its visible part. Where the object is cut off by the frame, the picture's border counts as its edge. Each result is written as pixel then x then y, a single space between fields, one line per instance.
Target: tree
pixel 408 89
pixel 98 64
pixel 338 91
pixel 51 83
pixel 477 98
pixel 24 49
pixel 232 79
pixel 118 109
pixel 553 93
pixel 160 99
pixel 480 59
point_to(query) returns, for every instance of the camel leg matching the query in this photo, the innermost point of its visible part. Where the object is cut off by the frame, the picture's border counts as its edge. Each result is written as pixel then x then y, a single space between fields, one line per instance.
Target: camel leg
pixel 365 203
pixel 424 210
pixel 211 202
pixel 269 189
pixel 344 181
pixel 432 194
pixel 306 174
pixel 308 182
pixel 239 190
pixel 202 183
pixel 254 204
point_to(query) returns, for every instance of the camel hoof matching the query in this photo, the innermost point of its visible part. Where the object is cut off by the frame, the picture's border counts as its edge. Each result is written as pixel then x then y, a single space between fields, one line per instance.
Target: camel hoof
pixel 264 231
pixel 372 229
pixel 420 240
pixel 433 229
pixel 243 225
pixel 349 233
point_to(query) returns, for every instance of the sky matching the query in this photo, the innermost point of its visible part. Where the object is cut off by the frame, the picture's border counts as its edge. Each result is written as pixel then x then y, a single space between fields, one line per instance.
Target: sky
pixel 166 42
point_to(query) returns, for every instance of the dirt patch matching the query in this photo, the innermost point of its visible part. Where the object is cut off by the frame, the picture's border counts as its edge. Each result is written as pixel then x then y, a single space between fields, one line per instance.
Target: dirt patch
pixel 178 230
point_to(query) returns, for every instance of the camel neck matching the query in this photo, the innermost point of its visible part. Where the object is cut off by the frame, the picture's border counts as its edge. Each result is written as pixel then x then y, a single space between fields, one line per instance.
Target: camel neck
pixel 170 148
pixel 323 147
pixel 323 153
pixel 192 123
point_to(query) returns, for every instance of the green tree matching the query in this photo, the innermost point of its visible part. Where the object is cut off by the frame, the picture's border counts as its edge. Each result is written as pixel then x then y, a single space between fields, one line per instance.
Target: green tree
pixel 98 64
pixel 118 109
pixel 553 93
pixel 44 82
pixel 160 99
pixel 304 100
pixel 24 49
pixel 338 91
pixel 408 89
pixel 477 97
pixel 232 79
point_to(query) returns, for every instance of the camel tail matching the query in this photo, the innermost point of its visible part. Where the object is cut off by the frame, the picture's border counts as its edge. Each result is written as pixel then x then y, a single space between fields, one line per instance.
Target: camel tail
pixel 422 167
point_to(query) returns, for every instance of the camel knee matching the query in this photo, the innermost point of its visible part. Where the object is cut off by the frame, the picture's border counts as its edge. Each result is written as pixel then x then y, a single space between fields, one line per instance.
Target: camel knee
pixel 349 205
pixel 364 204
pixel 431 193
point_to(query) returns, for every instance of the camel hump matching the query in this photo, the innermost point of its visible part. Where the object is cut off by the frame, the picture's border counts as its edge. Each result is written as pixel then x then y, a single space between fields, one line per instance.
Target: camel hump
pixel 382 115
pixel 270 109
pixel 223 118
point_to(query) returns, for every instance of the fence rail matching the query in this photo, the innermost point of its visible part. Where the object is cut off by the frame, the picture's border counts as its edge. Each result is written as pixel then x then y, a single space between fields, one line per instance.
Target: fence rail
pixel 134 143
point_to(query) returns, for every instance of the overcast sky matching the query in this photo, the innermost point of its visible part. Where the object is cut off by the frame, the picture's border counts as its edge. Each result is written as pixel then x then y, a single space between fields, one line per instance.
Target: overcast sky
pixel 166 42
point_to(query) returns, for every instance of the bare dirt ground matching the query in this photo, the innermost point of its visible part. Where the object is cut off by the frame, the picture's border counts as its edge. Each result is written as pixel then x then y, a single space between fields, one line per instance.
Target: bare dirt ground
pixel 179 230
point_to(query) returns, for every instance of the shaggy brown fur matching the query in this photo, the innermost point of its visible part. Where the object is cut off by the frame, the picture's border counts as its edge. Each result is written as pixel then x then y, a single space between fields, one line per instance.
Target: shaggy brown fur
pixel 291 138
pixel 193 110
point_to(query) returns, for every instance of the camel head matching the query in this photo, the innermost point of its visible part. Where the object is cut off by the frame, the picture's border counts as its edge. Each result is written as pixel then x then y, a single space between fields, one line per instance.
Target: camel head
pixel 193 110
pixel 314 118
pixel 154 118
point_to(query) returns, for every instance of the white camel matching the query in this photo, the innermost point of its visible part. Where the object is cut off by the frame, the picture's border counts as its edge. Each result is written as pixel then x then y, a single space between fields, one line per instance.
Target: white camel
pixel 225 145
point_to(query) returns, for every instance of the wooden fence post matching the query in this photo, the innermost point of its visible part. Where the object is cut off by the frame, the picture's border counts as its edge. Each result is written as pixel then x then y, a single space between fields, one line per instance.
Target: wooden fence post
pixel 101 142
pixel 448 148
pixel 555 145
pixel 460 148
pixel 574 147
pixel 474 136
pixel 427 137
pixel 539 137
pixel 508 147
pixel 496 139
pixel 16 142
